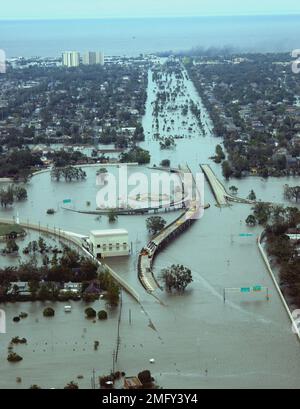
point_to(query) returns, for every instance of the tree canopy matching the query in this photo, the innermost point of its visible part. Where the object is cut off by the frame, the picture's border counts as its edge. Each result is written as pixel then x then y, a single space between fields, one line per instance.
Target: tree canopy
pixel 176 277
pixel 155 224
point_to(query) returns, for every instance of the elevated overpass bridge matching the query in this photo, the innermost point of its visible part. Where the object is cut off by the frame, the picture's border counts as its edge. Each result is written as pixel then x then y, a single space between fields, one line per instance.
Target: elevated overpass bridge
pixel 169 233
pixel 221 195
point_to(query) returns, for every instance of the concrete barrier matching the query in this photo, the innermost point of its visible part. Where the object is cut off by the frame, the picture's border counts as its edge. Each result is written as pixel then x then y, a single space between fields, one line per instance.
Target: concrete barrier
pixel 269 268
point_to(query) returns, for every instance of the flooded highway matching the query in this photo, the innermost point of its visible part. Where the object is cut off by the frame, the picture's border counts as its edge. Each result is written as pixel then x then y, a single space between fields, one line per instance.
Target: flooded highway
pixel 197 341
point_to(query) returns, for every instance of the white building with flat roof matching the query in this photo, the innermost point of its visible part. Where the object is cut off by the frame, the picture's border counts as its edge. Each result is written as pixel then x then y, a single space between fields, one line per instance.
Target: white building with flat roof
pixel 109 243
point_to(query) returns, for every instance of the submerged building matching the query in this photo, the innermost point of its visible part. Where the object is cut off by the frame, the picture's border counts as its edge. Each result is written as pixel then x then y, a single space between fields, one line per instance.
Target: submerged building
pixel 109 243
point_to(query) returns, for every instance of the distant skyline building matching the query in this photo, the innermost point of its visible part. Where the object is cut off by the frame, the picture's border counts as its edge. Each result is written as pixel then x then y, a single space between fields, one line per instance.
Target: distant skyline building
pixel 100 58
pixel 71 59
pixel 89 58
pixel 92 57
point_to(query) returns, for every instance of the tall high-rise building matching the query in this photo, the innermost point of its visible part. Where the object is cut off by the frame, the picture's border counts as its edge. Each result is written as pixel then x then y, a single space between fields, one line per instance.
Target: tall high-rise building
pixel 91 58
pixel 71 58
pixel 100 58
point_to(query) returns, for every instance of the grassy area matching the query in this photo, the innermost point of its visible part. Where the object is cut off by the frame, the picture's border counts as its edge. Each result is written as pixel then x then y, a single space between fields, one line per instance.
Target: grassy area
pixel 6 229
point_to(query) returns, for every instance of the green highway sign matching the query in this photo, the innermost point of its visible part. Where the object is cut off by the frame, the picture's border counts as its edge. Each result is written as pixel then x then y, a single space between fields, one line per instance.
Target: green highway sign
pixel 246 235
pixel 248 290
pixel 256 288
pixel 66 201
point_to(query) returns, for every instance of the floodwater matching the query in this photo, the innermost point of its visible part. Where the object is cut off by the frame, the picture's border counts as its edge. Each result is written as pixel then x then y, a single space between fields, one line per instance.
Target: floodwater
pixel 15 260
pixel 195 339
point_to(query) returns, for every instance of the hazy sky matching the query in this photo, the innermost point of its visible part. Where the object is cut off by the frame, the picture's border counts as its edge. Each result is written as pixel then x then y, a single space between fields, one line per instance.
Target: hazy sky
pixel 49 9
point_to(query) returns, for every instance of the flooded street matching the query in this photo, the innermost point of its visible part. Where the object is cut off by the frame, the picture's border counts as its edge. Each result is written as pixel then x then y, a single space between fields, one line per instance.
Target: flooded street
pixel 197 341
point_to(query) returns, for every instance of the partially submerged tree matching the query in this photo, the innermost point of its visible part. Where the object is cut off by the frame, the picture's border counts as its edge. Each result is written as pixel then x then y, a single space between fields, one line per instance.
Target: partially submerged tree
pixel 11 246
pixel 252 195
pixel 251 220
pixel 262 212
pixel 292 192
pixel 219 154
pixel 113 294
pixel 7 196
pixel 90 313
pixel 102 315
pixel 155 224
pixel 69 173
pixel 112 216
pixel 109 285
pixel 233 190
pixel 166 163
pixel 35 387
pixel 71 385
pixel 227 170
pixel 176 277
pixel 20 193
pixel 49 312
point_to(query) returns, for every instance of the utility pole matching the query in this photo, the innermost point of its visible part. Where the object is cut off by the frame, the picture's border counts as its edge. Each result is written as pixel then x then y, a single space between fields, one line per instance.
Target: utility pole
pixel 93 380
pixel 113 361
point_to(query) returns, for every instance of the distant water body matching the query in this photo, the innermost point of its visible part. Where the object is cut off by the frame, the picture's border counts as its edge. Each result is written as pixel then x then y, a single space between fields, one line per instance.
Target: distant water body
pixel 134 36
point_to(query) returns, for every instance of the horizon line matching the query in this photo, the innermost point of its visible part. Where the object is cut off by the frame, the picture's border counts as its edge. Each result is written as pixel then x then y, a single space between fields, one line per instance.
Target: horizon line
pixel 150 17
